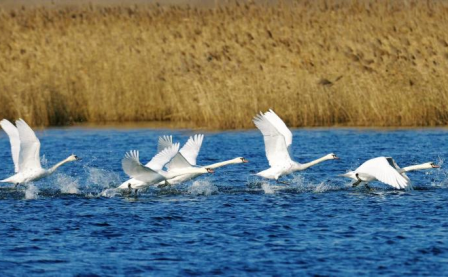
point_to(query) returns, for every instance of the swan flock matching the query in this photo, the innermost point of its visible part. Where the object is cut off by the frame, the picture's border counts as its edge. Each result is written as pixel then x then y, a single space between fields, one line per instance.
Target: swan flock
pixel 173 165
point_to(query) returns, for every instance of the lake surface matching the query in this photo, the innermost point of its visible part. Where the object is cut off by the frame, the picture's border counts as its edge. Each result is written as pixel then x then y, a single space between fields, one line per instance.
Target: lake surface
pixel 229 222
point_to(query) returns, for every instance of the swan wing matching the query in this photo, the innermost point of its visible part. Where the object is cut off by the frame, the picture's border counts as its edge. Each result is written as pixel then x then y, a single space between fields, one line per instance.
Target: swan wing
pixel 393 163
pixel 192 148
pixel 280 126
pixel 178 162
pixel 164 142
pixel 276 147
pixel 381 169
pixel 14 140
pixel 134 169
pixel 29 147
pixel 163 157
pixel 187 155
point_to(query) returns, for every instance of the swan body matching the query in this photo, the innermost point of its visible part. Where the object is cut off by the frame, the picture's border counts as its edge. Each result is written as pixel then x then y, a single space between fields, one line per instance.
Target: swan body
pixel 278 140
pixel 25 148
pixel 152 173
pixel 387 171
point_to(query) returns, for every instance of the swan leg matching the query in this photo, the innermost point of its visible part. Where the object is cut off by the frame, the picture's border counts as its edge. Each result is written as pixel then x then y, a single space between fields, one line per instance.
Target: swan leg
pixel 356 183
pixel 166 184
pixel 135 192
pixel 16 185
pixel 129 189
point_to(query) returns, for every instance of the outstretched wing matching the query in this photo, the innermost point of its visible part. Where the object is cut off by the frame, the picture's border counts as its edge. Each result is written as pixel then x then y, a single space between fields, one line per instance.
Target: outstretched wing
pixel 381 169
pixel 187 155
pixel 192 147
pixel 14 140
pixel 164 142
pixel 132 166
pixel 276 147
pixel 29 147
pixel 393 163
pixel 280 126
pixel 163 157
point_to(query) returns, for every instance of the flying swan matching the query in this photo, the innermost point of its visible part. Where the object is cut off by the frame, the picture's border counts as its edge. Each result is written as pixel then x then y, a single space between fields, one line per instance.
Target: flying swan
pixel 184 159
pixel 385 170
pixel 153 172
pixel 278 140
pixel 25 148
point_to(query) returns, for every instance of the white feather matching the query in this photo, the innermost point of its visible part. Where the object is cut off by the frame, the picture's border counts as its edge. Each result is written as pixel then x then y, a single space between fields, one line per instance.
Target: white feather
pixel 14 140
pixel 30 145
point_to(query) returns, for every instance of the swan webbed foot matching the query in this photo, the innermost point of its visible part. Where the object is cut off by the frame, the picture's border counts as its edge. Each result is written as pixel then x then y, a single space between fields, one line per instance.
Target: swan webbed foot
pixel 368 187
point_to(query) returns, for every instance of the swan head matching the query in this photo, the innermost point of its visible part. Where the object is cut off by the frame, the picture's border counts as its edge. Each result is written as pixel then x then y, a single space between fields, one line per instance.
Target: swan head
pixel 240 160
pixel 430 165
pixel 210 170
pixel 332 156
pixel 73 158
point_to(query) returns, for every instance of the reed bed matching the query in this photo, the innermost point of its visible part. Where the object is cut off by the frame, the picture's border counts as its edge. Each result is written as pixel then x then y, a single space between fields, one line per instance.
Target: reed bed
pixel 316 63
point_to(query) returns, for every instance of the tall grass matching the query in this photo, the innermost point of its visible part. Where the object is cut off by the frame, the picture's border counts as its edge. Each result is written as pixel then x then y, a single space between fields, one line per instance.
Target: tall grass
pixel 317 63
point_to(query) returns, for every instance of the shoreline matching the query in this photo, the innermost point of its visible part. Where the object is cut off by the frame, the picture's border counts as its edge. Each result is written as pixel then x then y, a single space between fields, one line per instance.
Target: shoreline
pixel 181 126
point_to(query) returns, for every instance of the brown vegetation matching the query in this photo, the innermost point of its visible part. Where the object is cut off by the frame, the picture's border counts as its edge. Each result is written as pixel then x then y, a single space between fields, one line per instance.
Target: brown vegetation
pixel 317 63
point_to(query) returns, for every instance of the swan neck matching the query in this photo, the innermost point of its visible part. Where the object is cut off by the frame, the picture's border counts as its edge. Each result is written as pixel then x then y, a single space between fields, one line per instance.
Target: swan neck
pixel 220 164
pixel 314 162
pixel 53 168
pixel 414 167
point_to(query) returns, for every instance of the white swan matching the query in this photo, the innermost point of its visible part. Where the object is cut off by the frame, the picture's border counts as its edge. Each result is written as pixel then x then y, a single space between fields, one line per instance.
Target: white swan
pixel 152 173
pixel 163 142
pixel 186 158
pixel 385 170
pixel 278 140
pixel 25 148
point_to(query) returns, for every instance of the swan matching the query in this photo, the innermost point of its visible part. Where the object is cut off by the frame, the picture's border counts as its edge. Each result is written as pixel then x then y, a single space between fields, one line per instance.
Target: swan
pixel 186 158
pixel 163 142
pixel 152 173
pixel 278 140
pixel 25 148
pixel 385 170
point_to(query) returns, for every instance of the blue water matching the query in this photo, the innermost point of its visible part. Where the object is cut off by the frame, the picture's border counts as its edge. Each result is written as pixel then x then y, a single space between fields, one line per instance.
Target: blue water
pixel 230 223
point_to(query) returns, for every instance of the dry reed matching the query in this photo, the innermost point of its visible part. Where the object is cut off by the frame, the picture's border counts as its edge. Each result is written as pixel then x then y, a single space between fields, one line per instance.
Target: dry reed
pixel 317 63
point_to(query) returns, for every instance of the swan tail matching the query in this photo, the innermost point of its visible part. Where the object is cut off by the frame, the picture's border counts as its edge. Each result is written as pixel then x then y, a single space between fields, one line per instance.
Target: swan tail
pixel 7 180
pixel 349 174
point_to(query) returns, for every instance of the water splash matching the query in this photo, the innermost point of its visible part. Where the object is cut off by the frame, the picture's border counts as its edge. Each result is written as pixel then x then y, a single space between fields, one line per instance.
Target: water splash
pixel 109 193
pixel 31 192
pixel 202 187
pixel 267 189
pixel 67 184
pixel 323 187
pixel 101 178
